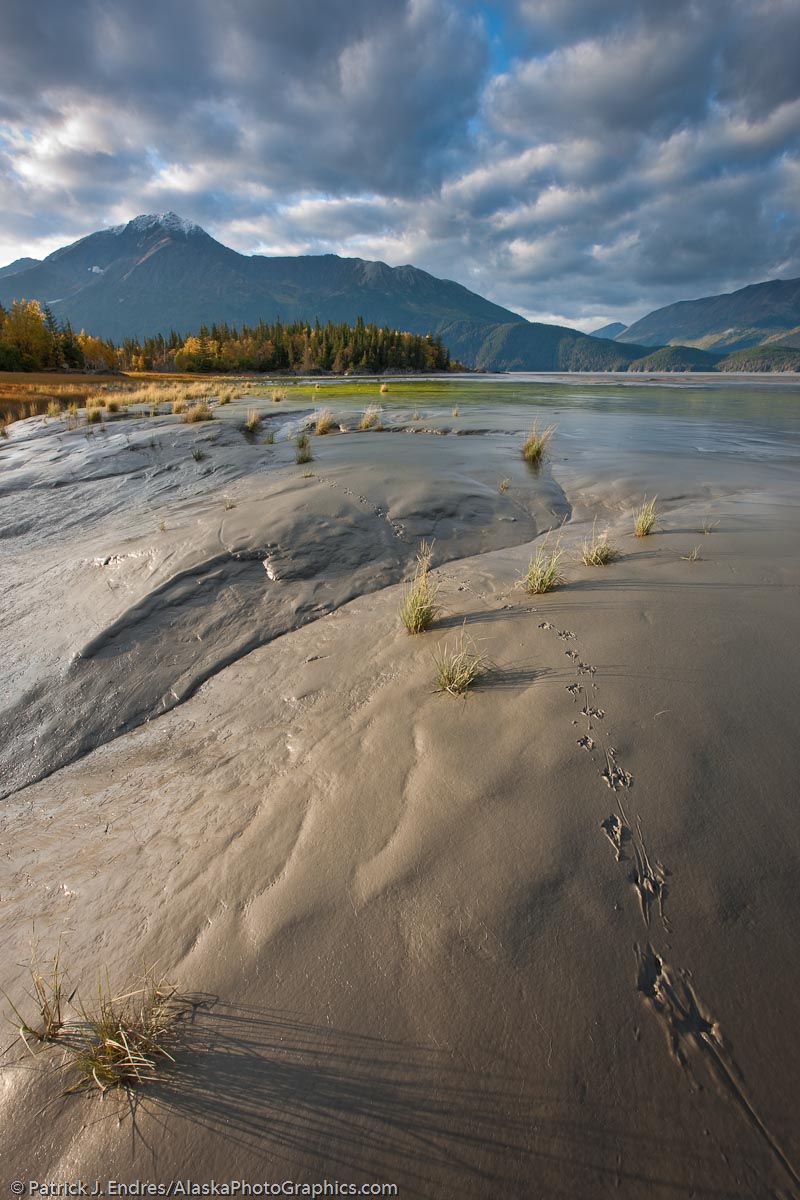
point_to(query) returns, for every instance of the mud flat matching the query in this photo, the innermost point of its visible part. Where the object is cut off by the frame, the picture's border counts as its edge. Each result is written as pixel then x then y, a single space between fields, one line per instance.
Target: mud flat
pixel 541 939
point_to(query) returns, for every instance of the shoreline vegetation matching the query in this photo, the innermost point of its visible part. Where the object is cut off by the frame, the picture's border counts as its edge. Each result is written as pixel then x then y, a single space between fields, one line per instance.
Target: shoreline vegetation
pixel 32 339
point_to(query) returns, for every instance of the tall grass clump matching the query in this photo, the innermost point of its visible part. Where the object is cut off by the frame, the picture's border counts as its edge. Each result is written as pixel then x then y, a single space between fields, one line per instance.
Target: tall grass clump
pixel 644 517
pixel 324 422
pixel 94 401
pixel 94 416
pixel 597 551
pixel 384 388
pixel 112 406
pixel 278 394
pixel 420 605
pixel 251 422
pixel 543 573
pixel 49 1001
pixel 535 445
pixel 53 409
pixel 369 417
pixel 178 406
pixel 458 668
pixel 303 453
pixel 198 412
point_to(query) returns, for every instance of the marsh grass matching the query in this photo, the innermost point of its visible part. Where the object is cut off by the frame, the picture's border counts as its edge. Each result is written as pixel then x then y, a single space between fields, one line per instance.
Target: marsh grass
pixel 112 406
pixel 251 422
pixel 201 411
pixel 278 394
pixel 324 422
pixel 693 555
pixel 544 573
pixel 459 667
pixel 53 409
pixel 536 443
pixel 708 526
pixel 303 453
pixel 94 401
pixel 597 551
pixel 47 995
pixel 178 407
pixel 369 417
pixel 644 517
pixel 384 388
pixel 94 416
pixel 420 606
pixel 126 1041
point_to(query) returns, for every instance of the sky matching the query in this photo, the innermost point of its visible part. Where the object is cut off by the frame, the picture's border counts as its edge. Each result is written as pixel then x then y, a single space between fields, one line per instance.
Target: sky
pixel 577 161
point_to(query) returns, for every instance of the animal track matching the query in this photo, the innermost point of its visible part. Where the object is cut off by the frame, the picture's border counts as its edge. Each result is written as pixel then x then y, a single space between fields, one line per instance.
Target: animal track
pixel 617 833
pixel 566 635
pixel 615 775
pixel 574 689
pixel 545 625
pixel 690 1026
pixel 587 742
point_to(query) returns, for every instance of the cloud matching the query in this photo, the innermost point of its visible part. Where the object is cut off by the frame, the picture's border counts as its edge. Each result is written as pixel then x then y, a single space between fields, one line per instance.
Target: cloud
pixel 615 157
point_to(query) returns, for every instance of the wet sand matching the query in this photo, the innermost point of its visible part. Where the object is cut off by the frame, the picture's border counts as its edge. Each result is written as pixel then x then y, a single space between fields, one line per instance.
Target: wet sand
pixel 540 940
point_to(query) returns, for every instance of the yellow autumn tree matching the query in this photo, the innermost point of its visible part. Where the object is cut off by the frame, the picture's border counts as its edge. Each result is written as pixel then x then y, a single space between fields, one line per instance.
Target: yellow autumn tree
pixel 25 330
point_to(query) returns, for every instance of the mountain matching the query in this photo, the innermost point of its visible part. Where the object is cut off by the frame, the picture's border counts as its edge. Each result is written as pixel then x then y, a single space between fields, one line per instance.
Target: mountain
pixel 676 358
pixel 609 331
pixel 529 346
pixel 161 272
pixel 21 264
pixel 158 273
pixel 737 320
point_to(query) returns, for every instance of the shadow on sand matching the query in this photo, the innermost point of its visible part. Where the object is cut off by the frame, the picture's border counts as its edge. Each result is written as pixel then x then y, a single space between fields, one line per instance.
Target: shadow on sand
pixel 271 1091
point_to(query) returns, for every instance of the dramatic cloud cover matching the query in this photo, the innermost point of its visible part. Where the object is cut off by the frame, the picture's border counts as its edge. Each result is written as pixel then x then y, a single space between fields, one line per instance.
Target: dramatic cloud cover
pixel 574 160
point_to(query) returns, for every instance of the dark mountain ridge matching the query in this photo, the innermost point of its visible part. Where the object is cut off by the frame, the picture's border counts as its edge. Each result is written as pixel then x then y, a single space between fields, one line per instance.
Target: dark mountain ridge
pixel 752 315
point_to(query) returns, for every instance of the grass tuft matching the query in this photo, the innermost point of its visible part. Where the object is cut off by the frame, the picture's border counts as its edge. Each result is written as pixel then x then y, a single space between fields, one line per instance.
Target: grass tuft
pixel 251 422
pixel 384 388
pixel 369 418
pixel 324 422
pixel 198 455
pixel 94 416
pixel 178 406
pixel 693 556
pixel 420 605
pixel 504 485
pixel 708 526
pixel 112 406
pixel 53 409
pixel 598 551
pixel 269 437
pixel 303 453
pixel 198 412
pixel 278 394
pixel 49 1001
pixel 455 411
pixel 535 445
pixel 644 517
pixel 128 1040
pixel 458 668
pixel 543 573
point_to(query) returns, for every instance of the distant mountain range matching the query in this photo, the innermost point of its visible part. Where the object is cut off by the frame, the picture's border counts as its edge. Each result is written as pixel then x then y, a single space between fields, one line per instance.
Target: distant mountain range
pixel 158 273
pixel 760 314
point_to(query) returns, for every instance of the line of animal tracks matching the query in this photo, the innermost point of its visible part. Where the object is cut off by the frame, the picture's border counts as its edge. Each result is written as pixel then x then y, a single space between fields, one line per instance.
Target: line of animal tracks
pixel 668 991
